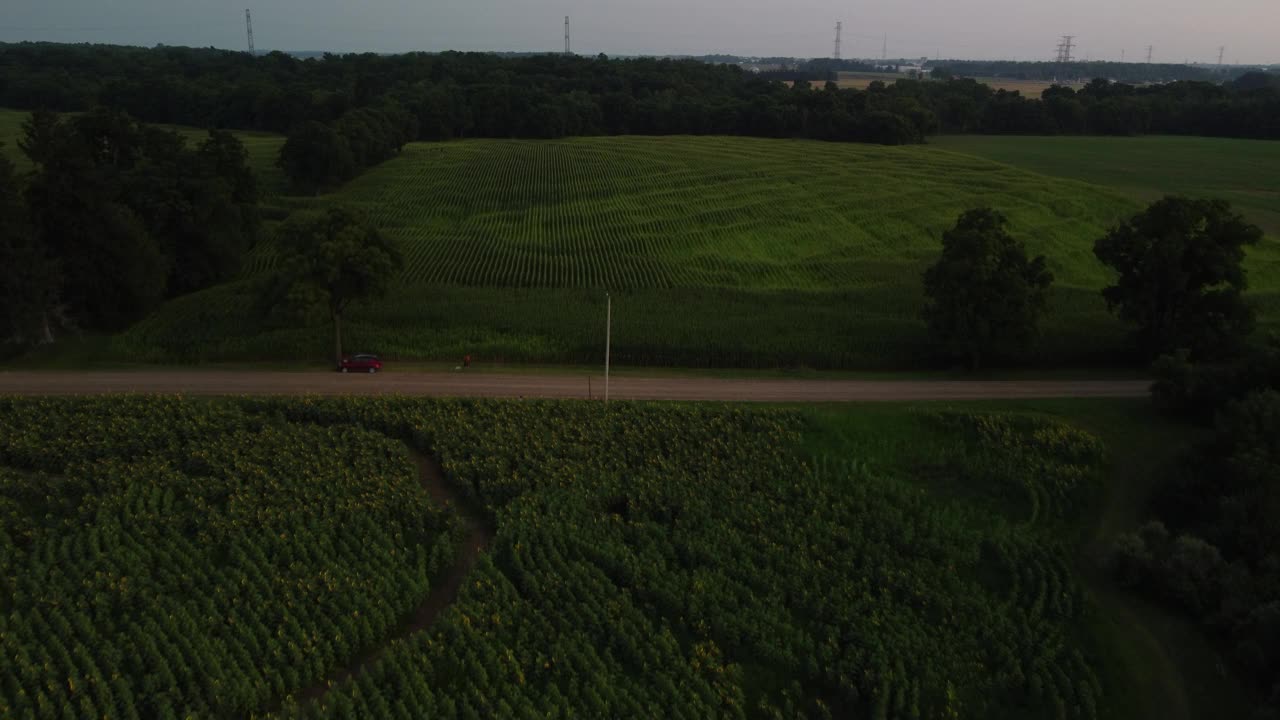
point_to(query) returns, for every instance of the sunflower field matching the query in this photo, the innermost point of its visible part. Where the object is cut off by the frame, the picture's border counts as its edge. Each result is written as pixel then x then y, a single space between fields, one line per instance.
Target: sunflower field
pixel 178 558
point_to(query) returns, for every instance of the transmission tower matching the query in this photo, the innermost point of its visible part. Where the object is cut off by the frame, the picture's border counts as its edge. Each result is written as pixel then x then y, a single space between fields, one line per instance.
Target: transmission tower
pixel 836 55
pixel 1064 48
pixel 566 35
pixel 884 49
pixel 1149 48
pixel 248 26
pixel 1222 49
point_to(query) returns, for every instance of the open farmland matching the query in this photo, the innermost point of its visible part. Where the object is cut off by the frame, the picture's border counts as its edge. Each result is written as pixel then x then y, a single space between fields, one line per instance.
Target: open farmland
pixel 719 251
pixel 197 560
pixel 1245 172
pixel 862 80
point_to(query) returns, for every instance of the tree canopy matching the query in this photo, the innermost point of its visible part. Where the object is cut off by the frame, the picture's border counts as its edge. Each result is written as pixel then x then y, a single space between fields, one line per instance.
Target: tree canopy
pixel 1180 277
pixel 984 295
pixel 329 259
pixel 454 95
pixel 116 216
pixel 27 273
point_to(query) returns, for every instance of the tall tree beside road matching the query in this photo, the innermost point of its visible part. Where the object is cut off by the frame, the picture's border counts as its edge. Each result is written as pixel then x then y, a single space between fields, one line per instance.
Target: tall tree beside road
pixel 1180 277
pixel 984 296
pixel 331 258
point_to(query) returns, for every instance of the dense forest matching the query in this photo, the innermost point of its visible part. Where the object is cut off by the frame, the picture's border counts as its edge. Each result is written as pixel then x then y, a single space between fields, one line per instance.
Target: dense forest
pixel 453 95
pixel 114 217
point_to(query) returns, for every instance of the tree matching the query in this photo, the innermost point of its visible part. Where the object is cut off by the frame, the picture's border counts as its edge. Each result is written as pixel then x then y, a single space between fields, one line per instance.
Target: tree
pixel 111 269
pixel 984 295
pixel 1180 276
pixel 28 276
pixel 315 156
pixel 331 258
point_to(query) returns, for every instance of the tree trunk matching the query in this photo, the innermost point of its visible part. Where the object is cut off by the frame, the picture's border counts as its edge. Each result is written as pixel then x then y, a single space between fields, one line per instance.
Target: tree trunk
pixel 337 339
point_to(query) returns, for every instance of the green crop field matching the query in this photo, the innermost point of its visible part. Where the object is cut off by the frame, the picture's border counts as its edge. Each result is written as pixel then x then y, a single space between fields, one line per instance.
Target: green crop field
pixel 195 558
pixel 718 251
pixel 1245 172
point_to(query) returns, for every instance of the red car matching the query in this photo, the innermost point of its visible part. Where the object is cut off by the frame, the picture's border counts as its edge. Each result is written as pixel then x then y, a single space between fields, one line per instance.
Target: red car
pixel 361 363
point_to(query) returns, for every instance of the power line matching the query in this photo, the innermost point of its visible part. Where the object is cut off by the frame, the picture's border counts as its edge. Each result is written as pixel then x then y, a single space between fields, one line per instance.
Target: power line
pixel 839 25
pixel 248 26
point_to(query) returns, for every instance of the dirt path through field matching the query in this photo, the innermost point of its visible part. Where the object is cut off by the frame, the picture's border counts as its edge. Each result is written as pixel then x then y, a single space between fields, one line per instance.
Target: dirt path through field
pixel 443 591
pixel 461 384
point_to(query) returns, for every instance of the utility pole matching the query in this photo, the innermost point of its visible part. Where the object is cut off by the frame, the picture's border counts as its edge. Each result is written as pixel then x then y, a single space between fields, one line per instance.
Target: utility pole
pixel 608 336
pixel 836 55
pixel 248 26
pixel 566 36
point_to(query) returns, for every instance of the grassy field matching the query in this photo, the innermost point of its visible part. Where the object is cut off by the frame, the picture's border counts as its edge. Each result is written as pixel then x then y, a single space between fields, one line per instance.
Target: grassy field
pixel 1245 172
pixel 1164 664
pixel 861 80
pixel 718 252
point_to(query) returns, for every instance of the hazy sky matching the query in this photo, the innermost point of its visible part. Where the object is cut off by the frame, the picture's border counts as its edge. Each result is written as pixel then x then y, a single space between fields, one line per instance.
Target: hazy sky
pixel 1022 29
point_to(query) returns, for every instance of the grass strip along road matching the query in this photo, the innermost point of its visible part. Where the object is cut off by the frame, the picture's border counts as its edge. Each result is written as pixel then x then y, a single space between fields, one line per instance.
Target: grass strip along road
pixel 207 382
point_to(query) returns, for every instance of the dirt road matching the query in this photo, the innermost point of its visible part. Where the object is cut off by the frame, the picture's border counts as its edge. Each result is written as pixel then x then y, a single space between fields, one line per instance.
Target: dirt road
pixel 229 382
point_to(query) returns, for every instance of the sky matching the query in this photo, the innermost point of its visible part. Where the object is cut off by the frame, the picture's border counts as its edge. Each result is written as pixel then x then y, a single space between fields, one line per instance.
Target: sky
pixel 1179 30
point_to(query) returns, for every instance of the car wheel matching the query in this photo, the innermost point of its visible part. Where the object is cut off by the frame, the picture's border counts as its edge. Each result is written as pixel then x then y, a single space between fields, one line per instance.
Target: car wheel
pixel 373 370
pixel 343 369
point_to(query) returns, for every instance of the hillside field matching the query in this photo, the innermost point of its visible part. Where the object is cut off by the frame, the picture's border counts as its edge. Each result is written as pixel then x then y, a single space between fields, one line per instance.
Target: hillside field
pixel 197 559
pixel 722 252
pixel 1245 172
pixel 718 252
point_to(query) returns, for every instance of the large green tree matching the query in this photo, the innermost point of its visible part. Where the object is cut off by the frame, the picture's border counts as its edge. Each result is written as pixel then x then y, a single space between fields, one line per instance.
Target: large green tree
pixel 1180 277
pixel 316 157
pixel 331 258
pixel 130 213
pixel 985 296
pixel 28 275
pixel 112 270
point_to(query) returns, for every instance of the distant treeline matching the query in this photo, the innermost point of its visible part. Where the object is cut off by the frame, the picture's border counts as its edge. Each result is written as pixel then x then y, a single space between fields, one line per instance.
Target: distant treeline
pixel 454 95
